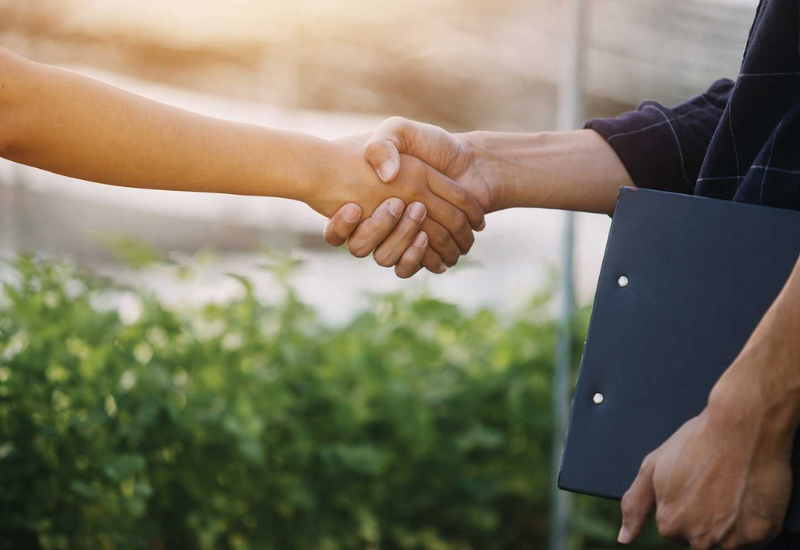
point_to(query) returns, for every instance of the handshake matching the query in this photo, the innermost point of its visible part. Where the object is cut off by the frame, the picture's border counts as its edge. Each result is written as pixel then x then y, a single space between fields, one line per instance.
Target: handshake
pixel 423 207
pixel 415 199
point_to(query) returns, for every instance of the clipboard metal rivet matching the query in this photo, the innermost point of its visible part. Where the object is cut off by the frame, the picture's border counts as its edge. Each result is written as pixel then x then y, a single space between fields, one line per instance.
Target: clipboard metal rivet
pixel 598 398
pixel 623 281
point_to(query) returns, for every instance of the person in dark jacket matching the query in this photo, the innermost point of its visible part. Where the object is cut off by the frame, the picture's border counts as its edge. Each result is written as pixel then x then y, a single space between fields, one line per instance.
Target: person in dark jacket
pixel 724 478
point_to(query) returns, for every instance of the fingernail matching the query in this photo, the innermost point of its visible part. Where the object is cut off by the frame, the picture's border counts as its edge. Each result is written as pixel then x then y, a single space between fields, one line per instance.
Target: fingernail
pixel 351 213
pixel 396 207
pixel 387 170
pixel 624 535
pixel 482 226
pixel 421 239
pixel 416 211
pixel 442 269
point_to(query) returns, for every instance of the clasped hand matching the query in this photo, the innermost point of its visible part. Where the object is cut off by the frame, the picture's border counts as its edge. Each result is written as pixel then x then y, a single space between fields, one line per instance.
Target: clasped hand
pixel 444 198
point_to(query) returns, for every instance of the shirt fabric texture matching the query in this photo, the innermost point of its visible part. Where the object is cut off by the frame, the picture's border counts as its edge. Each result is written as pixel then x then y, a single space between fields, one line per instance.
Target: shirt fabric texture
pixel 737 141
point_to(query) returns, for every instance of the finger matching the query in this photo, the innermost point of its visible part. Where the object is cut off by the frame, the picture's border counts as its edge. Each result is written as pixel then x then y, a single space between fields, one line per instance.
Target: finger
pixel 451 219
pixel 450 191
pixel 411 260
pixel 424 141
pixel 733 542
pixel 441 241
pixel 432 261
pixel 384 157
pixel 637 503
pixel 390 250
pixel 342 224
pixel 372 231
pixel 705 541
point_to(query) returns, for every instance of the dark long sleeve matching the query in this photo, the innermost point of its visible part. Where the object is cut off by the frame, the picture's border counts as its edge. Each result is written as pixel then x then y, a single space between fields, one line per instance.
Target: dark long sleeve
pixel 663 148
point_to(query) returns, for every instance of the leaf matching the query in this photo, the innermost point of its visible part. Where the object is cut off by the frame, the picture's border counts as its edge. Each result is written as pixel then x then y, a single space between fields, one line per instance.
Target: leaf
pixel 133 252
pixel 123 466
pixel 83 489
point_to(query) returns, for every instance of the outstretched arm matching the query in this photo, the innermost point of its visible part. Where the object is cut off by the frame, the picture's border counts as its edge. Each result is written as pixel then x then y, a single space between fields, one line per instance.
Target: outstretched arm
pixel 654 147
pixel 566 170
pixel 66 123
pixel 575 170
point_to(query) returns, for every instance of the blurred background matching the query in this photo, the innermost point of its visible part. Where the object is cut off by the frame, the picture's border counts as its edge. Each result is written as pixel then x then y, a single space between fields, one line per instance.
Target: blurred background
pixel 152 269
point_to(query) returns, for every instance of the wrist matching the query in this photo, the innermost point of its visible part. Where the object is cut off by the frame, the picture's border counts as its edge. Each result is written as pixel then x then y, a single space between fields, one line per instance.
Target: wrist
pixel 489 154
pixel 329 170
pixel 762 386
pixel 739 404
pixel 575 170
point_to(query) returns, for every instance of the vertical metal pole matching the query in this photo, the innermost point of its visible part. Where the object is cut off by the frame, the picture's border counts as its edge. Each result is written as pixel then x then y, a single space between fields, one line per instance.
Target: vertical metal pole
pixel 10 199
pixel 570 113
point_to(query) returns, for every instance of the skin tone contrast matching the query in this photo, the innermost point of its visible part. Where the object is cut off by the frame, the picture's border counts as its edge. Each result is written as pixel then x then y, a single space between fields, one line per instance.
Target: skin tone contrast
pixel 69 124
pixel 412 194
pixel 565 170
pixel 724 478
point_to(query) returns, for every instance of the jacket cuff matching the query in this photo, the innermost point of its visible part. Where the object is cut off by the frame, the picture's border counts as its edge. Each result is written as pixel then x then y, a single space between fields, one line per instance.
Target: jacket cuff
pixel 663 148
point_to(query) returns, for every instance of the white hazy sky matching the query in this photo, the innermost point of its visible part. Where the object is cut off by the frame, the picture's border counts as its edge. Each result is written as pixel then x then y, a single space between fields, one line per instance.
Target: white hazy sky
pixel 192 21
pixel 232 21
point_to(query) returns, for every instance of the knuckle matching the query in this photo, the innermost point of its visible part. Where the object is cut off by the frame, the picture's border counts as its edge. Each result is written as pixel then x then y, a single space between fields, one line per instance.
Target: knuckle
pixel 758 531
pixel 439 235
pixel 329 232
pixel 671 534
pixel 701 544
pixel 408 229
pixel 331 238
pixel 630 507
pixel 432 261
pixel 704 541
pixel 461 222
pixel 358 249
pixel 459 193
pixel 469 241
pixel 396 122
pixel 383 258
pixel 648 461
pixel 404 271
pixel 668 525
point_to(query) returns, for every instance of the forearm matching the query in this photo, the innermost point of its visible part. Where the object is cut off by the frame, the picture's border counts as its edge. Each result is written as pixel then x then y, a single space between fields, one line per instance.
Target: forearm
pixel 574 170
pixel 766 374
pixel 76 126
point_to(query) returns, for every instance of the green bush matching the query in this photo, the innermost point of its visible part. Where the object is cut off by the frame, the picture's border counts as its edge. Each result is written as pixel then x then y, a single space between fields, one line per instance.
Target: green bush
pixel 250 425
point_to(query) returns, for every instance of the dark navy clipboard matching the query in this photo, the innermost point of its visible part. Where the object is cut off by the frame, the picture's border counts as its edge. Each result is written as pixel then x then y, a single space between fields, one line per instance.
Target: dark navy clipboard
pixel 700 275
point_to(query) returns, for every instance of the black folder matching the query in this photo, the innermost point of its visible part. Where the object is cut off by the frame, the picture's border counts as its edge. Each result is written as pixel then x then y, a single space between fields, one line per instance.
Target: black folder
pixel 684 282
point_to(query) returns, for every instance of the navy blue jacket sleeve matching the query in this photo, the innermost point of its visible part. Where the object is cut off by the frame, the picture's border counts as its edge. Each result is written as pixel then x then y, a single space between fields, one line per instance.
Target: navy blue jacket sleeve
pixel 663 148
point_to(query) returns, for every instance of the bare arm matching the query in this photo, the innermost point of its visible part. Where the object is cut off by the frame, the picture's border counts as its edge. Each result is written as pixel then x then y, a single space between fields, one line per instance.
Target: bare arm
pixel 574 170
pixel 69 124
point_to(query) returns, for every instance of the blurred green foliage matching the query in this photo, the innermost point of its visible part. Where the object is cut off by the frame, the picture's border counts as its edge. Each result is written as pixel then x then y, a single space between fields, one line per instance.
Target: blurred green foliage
pixel 250 425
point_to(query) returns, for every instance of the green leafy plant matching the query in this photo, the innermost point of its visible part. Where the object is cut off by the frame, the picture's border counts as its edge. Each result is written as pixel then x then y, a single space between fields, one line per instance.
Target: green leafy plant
pixel 251 425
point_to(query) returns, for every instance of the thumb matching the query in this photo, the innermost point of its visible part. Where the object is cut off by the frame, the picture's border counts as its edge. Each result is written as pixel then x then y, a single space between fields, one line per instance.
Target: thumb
pixel 382 150
pixel 431 144
pixel 382 154
pixel 637 502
